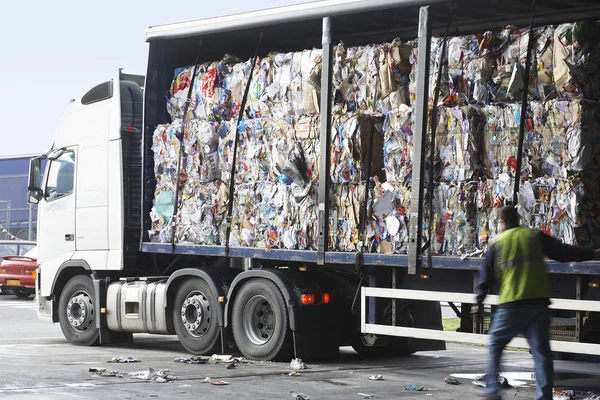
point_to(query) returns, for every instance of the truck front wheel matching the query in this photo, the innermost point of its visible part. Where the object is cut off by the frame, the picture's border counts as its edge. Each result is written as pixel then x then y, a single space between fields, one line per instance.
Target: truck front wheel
pixel 260 321
pixel 77 312
pixel 195 317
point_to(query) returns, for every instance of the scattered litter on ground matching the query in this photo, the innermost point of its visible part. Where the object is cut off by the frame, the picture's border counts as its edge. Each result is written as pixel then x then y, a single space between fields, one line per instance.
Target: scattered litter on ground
pixel 150 374
pixel 222 357
pixel 191 359
pixel 558 394
pixel 219 383
pixel 124 360
pixel 206 380
pixel 375 377
pixel 451 381
pixel 415 388
pixel 153 395
pixel 428 394
pixel 483 381
pixel 294 373
pixel 297 364
pixel 185 386
pixel 365 396
pixel 299 396
pixel 515 379
pixel 104 372
pixel 231 365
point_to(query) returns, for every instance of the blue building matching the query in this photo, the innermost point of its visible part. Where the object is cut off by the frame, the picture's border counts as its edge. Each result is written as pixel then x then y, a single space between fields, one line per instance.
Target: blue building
pixel 17 218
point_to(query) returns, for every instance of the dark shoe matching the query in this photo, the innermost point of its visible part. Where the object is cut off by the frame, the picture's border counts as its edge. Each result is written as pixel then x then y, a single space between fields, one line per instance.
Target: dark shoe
pixel 488 395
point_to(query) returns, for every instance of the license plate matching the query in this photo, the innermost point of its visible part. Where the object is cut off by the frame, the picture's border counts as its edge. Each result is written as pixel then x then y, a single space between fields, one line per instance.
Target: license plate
pixel 13 282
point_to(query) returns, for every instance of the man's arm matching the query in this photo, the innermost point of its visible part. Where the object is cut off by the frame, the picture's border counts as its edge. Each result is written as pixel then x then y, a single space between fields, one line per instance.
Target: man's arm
pixel 562 252
pixel 486 277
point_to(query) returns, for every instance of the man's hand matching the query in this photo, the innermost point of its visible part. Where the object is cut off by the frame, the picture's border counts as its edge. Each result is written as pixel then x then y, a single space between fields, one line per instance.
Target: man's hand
pixel 476 311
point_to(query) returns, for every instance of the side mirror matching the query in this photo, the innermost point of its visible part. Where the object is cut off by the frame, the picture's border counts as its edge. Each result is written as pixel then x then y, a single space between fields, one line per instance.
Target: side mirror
pixel 35 178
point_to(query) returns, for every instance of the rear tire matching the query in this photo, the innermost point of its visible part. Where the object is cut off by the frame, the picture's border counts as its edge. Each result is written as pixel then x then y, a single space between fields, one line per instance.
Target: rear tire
pixel 77 312
pixel 260 321
pixel 195 317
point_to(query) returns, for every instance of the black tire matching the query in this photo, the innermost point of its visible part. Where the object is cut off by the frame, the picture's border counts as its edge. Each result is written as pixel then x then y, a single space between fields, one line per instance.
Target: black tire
pixel 202 337
pixel 22 293
pixel 261 298
pixel 76 304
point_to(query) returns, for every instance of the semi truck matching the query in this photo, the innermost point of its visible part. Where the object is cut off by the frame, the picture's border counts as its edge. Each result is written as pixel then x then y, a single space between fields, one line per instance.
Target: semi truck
pixel 102 278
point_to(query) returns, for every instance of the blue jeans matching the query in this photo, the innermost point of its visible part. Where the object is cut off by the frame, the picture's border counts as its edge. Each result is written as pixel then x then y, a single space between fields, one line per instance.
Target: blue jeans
pixel 534 322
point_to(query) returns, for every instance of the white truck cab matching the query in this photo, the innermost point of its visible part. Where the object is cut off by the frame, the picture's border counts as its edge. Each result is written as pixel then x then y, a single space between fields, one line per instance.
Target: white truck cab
pixel 83 217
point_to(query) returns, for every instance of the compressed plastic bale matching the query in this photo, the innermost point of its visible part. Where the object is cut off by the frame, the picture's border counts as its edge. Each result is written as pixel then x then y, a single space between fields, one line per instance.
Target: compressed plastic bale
pixel 398 145
pixel 455 217
pixel 344 216
pixel 457 138
pixel 389 218
pixel 217 92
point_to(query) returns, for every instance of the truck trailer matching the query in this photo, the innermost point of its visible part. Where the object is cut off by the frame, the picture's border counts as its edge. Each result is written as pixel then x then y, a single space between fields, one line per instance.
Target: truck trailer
pixel 110 267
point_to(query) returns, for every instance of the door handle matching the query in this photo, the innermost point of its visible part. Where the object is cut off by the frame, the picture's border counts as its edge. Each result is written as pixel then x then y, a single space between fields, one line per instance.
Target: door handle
pixel 70 237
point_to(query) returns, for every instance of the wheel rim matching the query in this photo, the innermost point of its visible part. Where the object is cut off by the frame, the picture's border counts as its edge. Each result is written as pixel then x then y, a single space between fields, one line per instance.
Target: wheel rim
pixel 259 320
pixel 80 311
pixel 195 313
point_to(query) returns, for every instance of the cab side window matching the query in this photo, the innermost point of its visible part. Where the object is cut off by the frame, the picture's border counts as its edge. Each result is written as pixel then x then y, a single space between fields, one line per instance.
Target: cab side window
pixel 61 177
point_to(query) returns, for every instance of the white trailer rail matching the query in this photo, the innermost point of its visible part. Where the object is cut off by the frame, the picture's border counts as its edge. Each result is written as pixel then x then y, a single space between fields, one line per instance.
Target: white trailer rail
pixel 475 338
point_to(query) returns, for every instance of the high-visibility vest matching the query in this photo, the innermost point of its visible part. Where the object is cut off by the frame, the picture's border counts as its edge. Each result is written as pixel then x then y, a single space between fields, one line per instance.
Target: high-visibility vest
pixel 520 266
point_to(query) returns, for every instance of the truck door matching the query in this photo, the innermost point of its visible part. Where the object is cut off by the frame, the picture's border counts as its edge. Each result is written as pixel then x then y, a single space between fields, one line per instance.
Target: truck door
pixel 56 234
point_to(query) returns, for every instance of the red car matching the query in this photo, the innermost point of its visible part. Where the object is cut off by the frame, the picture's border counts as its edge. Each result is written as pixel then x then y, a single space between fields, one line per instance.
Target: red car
pixel 17 273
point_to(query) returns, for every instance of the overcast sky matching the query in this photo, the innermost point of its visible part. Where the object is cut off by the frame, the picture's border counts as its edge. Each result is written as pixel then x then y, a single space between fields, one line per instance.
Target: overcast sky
pixel 52 51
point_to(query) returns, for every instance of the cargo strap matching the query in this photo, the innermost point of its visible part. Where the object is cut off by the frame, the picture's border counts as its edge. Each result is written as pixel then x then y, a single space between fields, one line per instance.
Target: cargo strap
pixel 235 146
pixel 180 136
pixel 524 104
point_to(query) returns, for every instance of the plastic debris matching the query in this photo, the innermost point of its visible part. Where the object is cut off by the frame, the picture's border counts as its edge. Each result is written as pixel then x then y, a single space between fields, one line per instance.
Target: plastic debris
pixel 375 377
pixel 106 373
pixel 191 359
pixel 297 364
pixel 217 357
pixel 415 388
pixel 558 394
pixel 592 396
pixel 160 376
pixel 231 365
pixel 219 383
pixel 299 396
pixel 365 396
pixel 294 373
pixel 452 381
pixel 483 381
pixel 124 360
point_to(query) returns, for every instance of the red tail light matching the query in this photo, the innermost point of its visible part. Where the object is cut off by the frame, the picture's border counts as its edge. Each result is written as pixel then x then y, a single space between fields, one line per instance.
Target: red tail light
pixel 315 299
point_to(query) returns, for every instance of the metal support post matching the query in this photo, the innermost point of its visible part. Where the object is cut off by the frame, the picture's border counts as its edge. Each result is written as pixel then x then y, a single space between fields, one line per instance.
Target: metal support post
pixel 524 108
pixel 419 143
pixel 325 137
pixel 578 314
pixel 394 285
pixel 372 301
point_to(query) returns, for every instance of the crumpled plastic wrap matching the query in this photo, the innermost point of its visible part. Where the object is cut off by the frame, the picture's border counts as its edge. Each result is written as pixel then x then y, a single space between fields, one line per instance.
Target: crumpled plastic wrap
pixel 457 143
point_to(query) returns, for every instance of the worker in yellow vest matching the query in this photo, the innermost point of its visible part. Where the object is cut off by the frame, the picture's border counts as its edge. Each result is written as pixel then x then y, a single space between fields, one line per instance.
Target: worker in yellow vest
pixel 516 260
